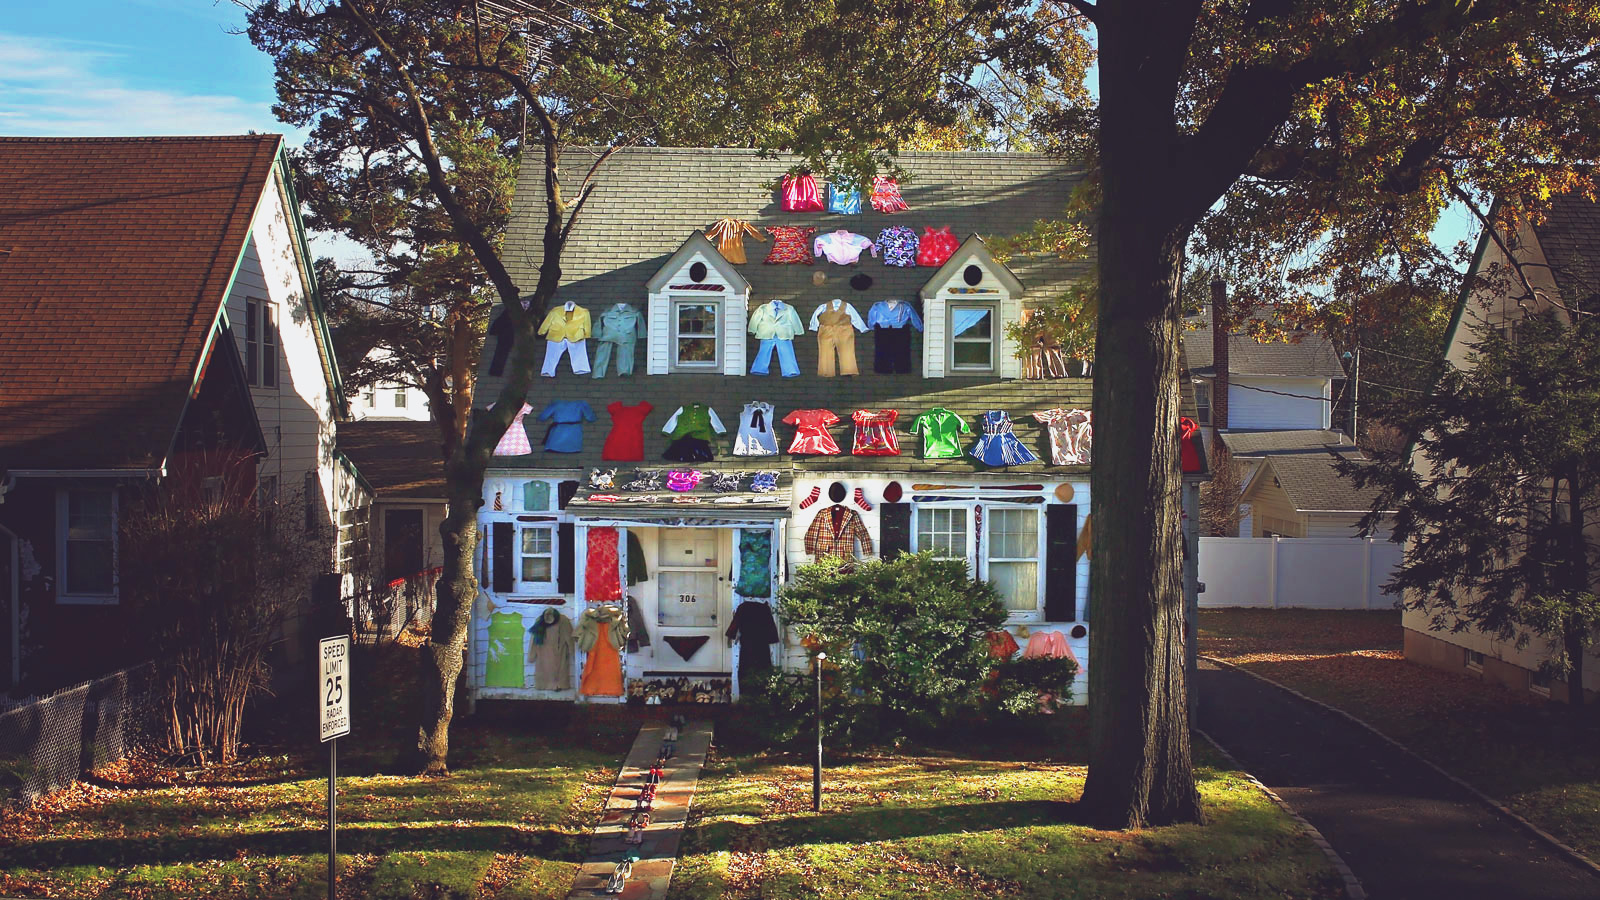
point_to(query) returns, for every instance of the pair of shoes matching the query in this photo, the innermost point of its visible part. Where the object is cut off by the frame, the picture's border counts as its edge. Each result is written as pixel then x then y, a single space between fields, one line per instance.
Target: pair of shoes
pixel 668 750
pixel 619 876
pixel 672 733
pixel 645 801
pixel 654 775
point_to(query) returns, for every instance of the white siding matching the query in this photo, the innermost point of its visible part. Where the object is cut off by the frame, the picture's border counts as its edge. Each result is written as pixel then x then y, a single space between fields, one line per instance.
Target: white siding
pixel 933 336
pixel 735 315
pixel 1341 525
pixel 1259 402
pixel 659 325
pixel 1008 310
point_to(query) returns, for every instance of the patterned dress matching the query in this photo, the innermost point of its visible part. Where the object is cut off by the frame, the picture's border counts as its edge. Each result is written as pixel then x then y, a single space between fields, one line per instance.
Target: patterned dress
pixel 1071 434
pixel 602 573
pixel 886 195
pixel 791 245
pixel 936 246
pixel 515 441
pixel 875 433
pixel 997 446
pixel 898 246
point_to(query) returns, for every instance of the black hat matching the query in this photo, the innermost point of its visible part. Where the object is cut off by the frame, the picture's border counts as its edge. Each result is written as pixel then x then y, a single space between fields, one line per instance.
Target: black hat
pixel 836 492
pixel 861 281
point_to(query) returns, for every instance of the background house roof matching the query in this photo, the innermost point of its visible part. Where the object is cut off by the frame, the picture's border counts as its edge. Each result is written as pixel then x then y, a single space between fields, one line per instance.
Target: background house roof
pixel 1570 237
pixel 399 459
pixel 1313 485
pixel 116 255
pixel 649 200
pixel 1252 444
pixel 1311 356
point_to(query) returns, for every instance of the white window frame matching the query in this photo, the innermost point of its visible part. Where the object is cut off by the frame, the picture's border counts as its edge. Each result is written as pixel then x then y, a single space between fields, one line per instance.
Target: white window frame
pixel 995 331
pixel 1202 401
pixel 269 344
pixel 920 509
pixel 989 517
pixel 717 304
pixel 524 586
pixel 252 341
pixel 400 398
pixel 260 342
pixel 977 556
pixel 1473 660
pixel 84 598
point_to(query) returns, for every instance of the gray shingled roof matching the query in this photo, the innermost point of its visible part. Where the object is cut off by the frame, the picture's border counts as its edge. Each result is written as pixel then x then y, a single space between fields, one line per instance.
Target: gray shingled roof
pixel 1314 486
pixel 1312 355
pixel 399 459
pixel 649 200
pixel 1570 237
pixel 1252 444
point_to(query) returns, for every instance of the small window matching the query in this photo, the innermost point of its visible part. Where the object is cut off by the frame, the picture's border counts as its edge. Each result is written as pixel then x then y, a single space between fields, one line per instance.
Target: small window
pixel 400 399
pixel 1539 683
pixel 269 345
pixel 943 530
pixel 1202 402
pixel 252 342
pixel 695 340
pixel 86 524
pixel 372 398
pixel 1013 557
pixel 537 548
pixel 972 335
pixel 353 538
pixel 1474 661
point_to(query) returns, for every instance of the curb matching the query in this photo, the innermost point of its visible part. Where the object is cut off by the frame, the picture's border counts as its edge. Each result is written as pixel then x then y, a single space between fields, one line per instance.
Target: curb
pixel 1352 885
pixel 1571 853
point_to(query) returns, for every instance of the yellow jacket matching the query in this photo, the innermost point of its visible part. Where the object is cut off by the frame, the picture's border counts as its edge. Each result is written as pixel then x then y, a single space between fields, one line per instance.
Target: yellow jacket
pixel 561 325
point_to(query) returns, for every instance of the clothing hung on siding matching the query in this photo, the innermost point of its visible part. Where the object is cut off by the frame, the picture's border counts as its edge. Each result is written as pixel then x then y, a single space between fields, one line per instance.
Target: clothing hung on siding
pixel 728 233
pixel 515 441
pixel 843 248
pixel 551 652
pixel 886 195
pixel 602 632
pixel 897 245
pixel 892 322
pixel 997 446
pixel 800 194
pixel 935 247
pixel 791 245
pixel 875 433
pixel 753 627
pixel 1188 444
pixel 566 418
pixel 686 646
pixel 941 433
pixel 1070 435
pixel 638 569
pixel 576 351
pixel 835 531
pixel 811 435
pixel 690 432
pixel 755 563
pixel 1002 645
pixel 1049 643
pixel 638 635
pixel 836 323
pixel 625 443
pixel 504 667
pixel 565 328
pixel 621 326
pixel 775 324
pixel 756 436
pixel 844 199
pixel 535 496
pixel 602 569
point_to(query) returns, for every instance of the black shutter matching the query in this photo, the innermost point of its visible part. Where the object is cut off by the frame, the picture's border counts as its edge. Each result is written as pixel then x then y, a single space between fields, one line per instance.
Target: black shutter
pixel 1061 563
pixel 566 552
pixel 502 546
pixel 565 491
pixel 894 529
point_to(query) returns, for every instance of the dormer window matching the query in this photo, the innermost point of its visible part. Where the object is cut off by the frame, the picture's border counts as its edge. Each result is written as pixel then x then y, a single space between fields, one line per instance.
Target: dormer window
pixel 972 337
pixel 696 345
pixel 696 313
pixel 966 305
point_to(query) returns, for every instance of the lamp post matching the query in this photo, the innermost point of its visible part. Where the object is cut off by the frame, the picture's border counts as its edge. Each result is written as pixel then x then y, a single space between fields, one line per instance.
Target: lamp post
pixel 816 768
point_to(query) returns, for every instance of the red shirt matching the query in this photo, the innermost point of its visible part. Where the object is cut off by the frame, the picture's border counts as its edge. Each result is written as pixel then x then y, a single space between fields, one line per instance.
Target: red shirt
pixel 625 443
pixel 811 432
pixel 875 433
pixel 936 246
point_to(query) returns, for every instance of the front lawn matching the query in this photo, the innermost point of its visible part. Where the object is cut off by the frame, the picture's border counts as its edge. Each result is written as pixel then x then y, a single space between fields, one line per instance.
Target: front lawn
pixel 935 825
pixel 1530 754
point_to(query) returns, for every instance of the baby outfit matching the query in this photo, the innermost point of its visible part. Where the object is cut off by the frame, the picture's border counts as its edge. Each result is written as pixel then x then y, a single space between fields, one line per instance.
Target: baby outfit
pixel 936 247
pixel 843 248
pixel 1070 435
pixel 811 432
pixel 565 328
pixel 875 433
pixel 997 446
pixel 756 436
pixel 836 323
pixel 886 195
pixel 566 418
pixel 891 322
pixel 515 441
pixel 625 443
pixel 621 326
pixel 897 244
pixel 775 324
pixel 691 430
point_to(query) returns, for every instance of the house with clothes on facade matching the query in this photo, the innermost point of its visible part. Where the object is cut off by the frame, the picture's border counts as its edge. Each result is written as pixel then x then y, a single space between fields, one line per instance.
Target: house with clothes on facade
pixel 739 380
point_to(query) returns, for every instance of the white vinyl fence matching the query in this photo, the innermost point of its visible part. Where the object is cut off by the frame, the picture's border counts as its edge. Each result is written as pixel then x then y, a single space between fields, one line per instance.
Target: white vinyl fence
pixel 1317 573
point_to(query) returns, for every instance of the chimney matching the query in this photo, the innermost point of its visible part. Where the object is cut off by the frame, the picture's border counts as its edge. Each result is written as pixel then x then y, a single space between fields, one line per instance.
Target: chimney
pixel 1219 353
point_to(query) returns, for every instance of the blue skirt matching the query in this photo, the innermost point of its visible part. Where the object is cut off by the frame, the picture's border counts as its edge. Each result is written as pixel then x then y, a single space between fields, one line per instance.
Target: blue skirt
pixel 1002 449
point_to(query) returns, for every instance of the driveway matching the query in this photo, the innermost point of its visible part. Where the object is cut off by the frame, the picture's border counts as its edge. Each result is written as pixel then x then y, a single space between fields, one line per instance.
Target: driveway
pixel 1406 832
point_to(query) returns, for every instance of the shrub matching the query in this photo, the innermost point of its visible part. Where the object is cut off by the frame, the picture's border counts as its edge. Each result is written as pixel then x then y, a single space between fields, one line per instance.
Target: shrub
pixel 905 644
pixel 1034 685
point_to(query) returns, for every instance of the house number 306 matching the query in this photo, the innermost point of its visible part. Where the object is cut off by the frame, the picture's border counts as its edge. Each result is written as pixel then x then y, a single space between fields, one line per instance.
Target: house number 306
pixel 688 598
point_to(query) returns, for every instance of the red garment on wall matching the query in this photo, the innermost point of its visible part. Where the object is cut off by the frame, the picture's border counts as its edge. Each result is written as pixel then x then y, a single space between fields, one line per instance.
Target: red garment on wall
pixel 602 574
pixel 936 247
pixel 1002 645
pixel 811 432
pixel 800 194
pixel 875 433
pixel 625 443
pixel 791 245
pixel 1188 444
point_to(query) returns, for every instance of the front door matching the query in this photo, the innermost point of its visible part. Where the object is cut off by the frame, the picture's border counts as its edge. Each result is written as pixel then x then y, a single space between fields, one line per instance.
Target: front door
pixel 693 601
pixel 402 543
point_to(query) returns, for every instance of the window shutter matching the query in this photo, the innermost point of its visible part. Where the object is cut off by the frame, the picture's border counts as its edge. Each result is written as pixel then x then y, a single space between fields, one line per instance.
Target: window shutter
pixel 894 529
pixel 566 551
pixel 504 547
pixel 1061 563
pixel 565 491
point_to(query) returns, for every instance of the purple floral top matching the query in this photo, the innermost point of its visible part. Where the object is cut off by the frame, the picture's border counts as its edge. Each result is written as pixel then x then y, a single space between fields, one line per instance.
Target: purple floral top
pixel 898 246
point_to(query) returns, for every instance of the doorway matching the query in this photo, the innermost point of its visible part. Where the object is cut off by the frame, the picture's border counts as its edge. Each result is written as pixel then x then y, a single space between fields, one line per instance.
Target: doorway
pixel 693 599
pixel 402 543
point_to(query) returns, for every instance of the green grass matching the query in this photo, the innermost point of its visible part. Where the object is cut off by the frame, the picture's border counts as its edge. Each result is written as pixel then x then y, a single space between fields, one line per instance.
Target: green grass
pixel 939 826
pixel 1535 756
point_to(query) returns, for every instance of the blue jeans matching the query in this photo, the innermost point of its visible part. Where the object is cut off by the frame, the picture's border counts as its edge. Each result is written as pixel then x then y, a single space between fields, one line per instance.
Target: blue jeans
pixel 786 363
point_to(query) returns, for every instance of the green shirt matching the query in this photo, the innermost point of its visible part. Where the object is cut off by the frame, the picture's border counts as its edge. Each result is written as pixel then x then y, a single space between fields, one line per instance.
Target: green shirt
pixel 694 420
pixel 941 433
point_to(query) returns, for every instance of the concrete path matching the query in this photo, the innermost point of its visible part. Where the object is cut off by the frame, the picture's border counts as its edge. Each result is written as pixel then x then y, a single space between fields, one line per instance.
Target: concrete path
pixel 1406 832
pixel 652 873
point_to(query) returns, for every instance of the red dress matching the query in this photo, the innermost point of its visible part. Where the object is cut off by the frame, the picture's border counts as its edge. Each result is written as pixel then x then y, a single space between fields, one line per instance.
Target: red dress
pixel 625 443
pixel 602 575
pixel 936 246
pixel 811 432
pixel 800 194
pixel 1188 437
pixel 875 433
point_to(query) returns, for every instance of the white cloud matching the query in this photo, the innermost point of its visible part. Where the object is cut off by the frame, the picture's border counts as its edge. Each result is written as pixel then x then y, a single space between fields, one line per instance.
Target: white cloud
pixel 52 87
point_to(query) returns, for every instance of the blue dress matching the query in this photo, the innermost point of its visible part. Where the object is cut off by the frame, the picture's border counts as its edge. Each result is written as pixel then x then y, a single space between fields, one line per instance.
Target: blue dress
pixel 566 418
pixel 997 446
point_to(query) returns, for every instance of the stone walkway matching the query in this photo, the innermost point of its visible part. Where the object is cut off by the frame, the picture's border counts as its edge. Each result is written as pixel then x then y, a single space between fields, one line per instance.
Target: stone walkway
pixel 652 872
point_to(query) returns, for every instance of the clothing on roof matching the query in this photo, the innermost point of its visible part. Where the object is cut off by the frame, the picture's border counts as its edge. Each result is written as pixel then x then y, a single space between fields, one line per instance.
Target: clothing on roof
pixel 621 326
pixel 875 432
pixel 566 418
pixel 729 234
pixel 515 441
pixel 836 339
pixel 997 446
pixel 567 322
pixel 843 248
pixel 691 430
pixel 756 436
pixel 893 314
pixel 897 245
pixel 886 195
pixel 791 245
pixel 577 351
pixel 941 433
pixel 935 247
pixel 1071 435
pixel 776 319
pixel 836 305
pixel 811 432
pixel 800 194
pixel 625 443
pixel 844 200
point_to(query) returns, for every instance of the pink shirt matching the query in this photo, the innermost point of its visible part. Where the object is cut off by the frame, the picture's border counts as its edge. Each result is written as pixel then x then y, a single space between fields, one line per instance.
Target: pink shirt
pixel 843 248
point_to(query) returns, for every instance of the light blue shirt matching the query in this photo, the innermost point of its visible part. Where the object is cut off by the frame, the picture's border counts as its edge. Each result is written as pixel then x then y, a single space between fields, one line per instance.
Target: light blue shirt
pixel 882 315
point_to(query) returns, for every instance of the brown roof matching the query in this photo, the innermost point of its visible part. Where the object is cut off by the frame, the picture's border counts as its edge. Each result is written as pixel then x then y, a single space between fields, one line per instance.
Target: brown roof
pixel 399 459
pixel 115 256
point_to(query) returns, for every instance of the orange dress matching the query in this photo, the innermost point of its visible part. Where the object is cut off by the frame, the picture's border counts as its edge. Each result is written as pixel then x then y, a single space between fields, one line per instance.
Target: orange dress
pixel 602 671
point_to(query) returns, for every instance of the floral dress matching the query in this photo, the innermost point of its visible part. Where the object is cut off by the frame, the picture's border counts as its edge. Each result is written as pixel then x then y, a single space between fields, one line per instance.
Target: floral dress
pixel 875 433
pixel 1071 434
pixel 997 446
pixel 886 195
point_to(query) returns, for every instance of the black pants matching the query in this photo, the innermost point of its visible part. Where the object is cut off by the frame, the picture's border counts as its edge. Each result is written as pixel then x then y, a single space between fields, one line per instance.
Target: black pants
pixel 500 330
pixel 891 350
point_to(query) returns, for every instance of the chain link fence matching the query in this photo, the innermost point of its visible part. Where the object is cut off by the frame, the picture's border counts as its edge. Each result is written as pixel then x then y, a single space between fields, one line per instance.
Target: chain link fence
pixel 47 743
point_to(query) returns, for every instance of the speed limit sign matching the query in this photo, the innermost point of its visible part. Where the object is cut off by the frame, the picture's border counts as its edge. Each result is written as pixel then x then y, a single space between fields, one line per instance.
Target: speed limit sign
pixel 333 688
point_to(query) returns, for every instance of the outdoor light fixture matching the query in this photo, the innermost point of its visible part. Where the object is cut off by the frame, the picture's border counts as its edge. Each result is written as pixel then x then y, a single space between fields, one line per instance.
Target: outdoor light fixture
pixel 816 768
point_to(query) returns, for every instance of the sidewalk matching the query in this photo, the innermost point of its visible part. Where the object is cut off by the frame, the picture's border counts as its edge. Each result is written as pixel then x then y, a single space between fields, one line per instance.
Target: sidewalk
pixel 1405 831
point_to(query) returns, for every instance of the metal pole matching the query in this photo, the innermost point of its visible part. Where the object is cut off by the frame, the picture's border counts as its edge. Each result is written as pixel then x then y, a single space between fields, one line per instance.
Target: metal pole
pixel 816 769
pixel 1355 393
pixel 333 816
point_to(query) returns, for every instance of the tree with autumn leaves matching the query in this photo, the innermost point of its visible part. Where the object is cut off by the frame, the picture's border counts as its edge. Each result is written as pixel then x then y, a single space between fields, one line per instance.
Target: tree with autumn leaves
pixel 1305 148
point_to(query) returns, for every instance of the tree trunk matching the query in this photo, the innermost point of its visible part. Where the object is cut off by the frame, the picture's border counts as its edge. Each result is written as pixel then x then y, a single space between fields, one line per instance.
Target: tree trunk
pixel 1576 630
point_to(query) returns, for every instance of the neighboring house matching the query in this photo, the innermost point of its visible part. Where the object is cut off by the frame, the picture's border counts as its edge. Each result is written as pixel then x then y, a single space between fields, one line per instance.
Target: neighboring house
pixel 557 534
pixel 158 313
pixel 1560 258
pixel 1243 385
pixel 1248 449
pixel 389 400
pixel 1301 495
pixel 402 463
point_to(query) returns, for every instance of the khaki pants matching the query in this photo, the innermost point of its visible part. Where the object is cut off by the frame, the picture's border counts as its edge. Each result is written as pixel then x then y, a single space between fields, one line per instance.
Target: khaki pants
pixel 840 338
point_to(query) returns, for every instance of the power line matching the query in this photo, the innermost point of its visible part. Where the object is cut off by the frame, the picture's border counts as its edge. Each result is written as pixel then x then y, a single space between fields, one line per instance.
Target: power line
pixel 1400 355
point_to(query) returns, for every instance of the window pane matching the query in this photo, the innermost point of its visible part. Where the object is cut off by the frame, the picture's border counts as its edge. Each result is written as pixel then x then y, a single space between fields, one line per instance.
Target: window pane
pixel 697 318
pixel 89 515
pixel 974 322
pixel 693 350
pixel 536 568
pixel 536 540
pixel 944 531
pixel 1013 534
pixel 269 346
pixel 400 399
pixel 970 353
pixel 90 528
pixel 1017 583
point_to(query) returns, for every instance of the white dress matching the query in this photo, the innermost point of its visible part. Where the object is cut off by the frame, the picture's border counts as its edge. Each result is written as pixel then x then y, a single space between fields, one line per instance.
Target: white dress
pixel 756 437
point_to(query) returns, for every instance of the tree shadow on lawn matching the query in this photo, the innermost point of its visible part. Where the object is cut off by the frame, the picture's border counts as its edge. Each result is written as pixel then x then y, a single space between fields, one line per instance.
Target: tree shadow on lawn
pixel 880 823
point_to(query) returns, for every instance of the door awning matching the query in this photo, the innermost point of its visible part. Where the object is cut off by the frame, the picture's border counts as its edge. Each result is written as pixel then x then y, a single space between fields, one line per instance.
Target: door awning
pixel 717 496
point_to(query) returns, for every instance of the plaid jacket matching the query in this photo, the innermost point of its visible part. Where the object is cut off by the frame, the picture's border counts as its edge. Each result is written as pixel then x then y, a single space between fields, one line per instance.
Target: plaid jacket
pixel 823 539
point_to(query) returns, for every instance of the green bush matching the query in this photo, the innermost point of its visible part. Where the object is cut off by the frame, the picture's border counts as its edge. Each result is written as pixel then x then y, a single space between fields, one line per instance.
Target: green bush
pixel 1034 685
pixel 905 644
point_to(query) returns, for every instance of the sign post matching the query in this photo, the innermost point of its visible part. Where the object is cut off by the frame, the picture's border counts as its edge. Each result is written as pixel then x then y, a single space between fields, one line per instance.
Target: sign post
pixel 333 710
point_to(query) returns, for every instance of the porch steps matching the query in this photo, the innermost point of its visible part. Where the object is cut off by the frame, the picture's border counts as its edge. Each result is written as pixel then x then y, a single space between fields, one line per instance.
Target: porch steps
pixel 651 875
